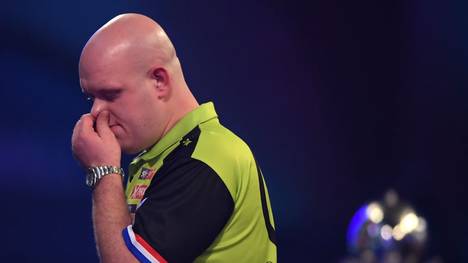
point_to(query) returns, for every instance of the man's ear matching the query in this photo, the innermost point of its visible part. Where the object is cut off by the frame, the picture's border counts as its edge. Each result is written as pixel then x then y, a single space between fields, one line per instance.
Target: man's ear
pixel 161 80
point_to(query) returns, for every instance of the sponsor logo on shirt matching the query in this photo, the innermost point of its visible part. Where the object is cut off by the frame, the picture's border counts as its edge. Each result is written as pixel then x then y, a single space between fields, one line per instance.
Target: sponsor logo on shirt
pixel 147 174
pixel 138 191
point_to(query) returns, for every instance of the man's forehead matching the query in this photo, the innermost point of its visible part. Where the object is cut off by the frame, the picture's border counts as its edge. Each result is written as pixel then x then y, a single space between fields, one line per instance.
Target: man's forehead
pixel 96 86
pixel 97 70
pixel 107 70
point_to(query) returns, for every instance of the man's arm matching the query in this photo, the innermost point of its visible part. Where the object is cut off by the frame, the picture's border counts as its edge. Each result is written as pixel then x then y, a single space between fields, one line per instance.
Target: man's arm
pixel 110 213
pixel 110 217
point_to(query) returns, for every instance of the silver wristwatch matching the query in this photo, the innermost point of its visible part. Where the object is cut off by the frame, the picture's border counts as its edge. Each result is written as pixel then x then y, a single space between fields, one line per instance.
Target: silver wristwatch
pixel 94 174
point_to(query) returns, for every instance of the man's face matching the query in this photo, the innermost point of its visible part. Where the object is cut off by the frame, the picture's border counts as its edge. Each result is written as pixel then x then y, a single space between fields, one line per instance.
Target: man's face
pixel 129 97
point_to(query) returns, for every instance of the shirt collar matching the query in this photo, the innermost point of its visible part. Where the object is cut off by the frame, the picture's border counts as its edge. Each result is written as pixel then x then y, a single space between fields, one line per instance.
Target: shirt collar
pixel 203 113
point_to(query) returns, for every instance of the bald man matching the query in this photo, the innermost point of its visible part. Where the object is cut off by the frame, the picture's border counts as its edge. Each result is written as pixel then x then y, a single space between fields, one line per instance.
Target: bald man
pixel 195 192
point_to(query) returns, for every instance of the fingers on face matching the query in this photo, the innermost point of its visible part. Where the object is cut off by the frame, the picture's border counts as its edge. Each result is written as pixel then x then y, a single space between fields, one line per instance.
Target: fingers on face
pixel 84 131
pixel 86 121
pixel 102 123
pixel 83 126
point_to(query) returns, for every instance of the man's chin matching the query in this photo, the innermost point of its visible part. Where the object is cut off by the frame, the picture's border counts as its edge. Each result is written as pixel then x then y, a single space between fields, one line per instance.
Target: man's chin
pixel 127 149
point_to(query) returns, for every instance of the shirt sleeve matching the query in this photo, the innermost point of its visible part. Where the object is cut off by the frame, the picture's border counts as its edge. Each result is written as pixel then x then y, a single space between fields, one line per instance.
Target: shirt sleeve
pixel 183 210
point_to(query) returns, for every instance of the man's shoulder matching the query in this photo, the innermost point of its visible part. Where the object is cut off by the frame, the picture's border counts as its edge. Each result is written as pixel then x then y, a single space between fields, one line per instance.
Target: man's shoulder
pixel 218 142
pixel 225 152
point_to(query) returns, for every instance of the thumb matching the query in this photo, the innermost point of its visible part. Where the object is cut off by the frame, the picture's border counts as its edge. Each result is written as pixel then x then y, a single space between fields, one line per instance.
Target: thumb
pixel 102 124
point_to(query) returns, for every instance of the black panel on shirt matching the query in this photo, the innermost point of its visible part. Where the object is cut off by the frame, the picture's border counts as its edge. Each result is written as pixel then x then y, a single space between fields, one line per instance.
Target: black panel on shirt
pixel 266 213
pixel 187 205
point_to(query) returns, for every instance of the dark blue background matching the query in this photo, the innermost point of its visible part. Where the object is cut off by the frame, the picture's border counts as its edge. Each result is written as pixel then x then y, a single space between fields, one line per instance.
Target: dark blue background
pixel 340 101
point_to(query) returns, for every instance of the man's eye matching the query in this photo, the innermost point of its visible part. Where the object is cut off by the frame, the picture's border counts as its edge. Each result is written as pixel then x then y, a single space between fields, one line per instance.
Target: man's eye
pixel 111 96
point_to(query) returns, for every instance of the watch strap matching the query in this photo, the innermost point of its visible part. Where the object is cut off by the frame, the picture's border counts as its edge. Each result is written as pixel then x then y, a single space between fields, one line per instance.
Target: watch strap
pixel 96 173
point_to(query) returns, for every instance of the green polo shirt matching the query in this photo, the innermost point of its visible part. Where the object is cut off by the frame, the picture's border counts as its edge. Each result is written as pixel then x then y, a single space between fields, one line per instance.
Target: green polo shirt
pixel 198 195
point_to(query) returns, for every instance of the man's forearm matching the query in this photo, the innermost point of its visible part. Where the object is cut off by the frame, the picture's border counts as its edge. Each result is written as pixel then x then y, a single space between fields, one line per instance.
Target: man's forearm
pixel 110 217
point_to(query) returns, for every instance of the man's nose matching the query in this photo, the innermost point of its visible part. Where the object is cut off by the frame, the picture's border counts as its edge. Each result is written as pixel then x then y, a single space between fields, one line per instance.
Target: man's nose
pixel 98 106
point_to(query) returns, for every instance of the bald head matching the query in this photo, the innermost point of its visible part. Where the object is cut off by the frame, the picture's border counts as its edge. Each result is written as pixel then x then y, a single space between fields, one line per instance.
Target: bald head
pixel 135 38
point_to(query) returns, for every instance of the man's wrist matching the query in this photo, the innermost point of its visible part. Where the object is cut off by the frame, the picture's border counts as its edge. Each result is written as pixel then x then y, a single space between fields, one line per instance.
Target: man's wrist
pixel 95 173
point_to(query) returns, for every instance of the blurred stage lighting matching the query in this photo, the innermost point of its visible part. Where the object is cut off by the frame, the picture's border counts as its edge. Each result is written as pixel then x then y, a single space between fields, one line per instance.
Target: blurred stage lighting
pixel 387 231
